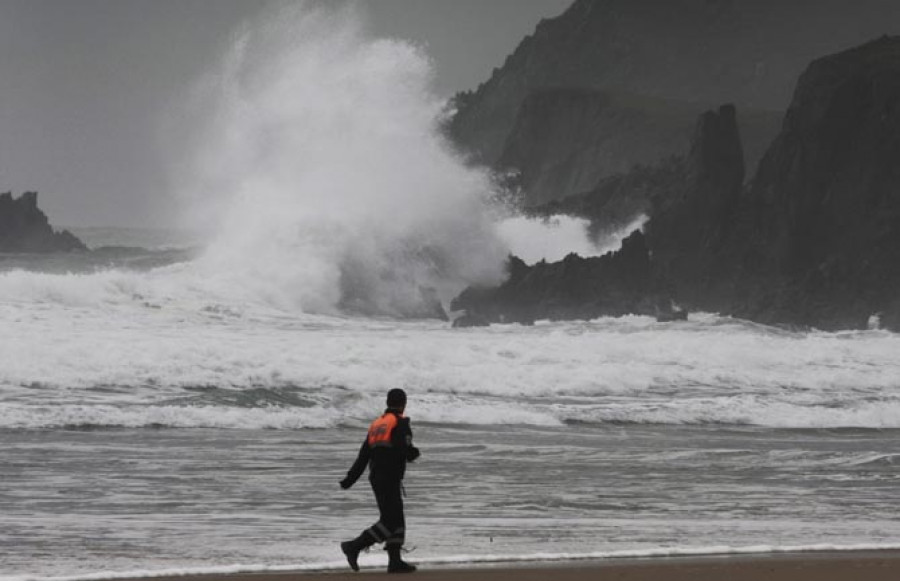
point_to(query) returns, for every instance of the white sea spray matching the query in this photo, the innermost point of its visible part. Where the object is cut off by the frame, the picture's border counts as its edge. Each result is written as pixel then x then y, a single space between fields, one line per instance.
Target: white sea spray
pixel 320 172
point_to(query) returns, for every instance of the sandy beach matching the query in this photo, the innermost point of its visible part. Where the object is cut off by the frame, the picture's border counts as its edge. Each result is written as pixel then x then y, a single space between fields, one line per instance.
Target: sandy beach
pixel 842 566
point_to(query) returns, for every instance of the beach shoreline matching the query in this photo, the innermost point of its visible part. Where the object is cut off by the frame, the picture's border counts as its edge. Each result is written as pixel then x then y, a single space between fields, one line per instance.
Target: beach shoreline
pixel 872 565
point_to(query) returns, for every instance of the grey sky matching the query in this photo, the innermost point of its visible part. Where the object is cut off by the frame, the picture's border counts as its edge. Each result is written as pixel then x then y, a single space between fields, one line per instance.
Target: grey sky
pixel 85 83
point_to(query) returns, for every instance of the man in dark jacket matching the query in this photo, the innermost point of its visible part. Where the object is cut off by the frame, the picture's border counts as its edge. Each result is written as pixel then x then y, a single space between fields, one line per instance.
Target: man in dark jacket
pixel 386 450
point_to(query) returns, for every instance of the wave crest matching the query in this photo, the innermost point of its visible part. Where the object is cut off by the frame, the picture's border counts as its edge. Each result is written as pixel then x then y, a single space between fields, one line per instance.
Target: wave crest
pixel 320 172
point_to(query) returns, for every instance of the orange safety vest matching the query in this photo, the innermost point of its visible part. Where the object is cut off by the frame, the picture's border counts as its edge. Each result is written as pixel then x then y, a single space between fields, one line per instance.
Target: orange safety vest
pixel 381 430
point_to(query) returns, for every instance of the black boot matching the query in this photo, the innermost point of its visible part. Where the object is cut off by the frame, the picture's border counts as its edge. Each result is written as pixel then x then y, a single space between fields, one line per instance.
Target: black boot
pixel 395 563
pixel 352 548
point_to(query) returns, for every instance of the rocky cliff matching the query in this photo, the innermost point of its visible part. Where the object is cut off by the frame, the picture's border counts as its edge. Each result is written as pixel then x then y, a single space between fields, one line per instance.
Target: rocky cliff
pixel 693 218
pixel 702 188
pixel 748 52
pixel 25 228
pixel 692 201
pixel 813 240
pixel 820 226
pixel 565 142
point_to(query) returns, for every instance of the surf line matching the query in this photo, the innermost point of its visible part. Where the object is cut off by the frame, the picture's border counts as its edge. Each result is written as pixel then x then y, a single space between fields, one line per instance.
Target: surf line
pixel 471 560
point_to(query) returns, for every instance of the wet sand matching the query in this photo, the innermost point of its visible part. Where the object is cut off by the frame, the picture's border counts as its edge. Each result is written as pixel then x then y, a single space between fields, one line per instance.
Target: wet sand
pixel 838 566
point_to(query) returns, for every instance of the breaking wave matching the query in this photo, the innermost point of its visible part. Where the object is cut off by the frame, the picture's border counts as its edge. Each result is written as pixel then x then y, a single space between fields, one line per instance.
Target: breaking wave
pixel 320 174
pixel 153 367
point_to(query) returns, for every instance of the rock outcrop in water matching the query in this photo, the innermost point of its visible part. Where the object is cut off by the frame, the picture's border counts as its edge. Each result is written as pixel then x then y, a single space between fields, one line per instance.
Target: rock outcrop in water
pixel 25 228
pixel 814 240
pixel 692 201
pixel 612 285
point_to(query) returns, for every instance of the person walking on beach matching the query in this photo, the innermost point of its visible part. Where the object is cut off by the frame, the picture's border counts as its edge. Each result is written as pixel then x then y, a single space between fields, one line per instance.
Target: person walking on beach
pixel 386 450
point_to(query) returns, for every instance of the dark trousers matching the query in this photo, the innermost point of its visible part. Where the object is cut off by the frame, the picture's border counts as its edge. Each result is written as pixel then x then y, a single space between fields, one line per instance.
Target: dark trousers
pixel 391 526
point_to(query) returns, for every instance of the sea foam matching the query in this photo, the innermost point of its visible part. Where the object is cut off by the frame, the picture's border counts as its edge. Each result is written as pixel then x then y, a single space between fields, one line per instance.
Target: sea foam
pixel 174 364
pixel 466 561
pixel 319 171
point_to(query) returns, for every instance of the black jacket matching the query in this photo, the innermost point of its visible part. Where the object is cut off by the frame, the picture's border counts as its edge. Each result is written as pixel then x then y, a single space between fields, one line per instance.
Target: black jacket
pixel 385 463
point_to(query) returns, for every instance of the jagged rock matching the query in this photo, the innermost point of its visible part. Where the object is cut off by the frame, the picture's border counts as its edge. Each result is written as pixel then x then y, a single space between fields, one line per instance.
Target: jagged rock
pixel 692 202
pixel 813 241
pixel 25 228
pixel 691 219
pixel 615 284
pixel 820 237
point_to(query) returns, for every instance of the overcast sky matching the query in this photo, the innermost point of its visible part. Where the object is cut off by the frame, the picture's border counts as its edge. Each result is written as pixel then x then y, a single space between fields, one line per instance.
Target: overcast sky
pixel 85 83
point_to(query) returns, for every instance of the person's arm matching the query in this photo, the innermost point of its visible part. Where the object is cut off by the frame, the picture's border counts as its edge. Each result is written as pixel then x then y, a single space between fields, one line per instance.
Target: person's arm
pixel 403 439
pixel 362 460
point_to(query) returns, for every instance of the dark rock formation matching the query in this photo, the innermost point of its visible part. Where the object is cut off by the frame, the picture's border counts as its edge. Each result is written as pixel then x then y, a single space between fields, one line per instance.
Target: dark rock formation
pixel 25 228
pixel 692 201
pixel 709 51
pixel 569 141
pixel 617 201
pixel 564 141
pixel 692 218
pixel 819 240
pixel 813 241
pixel 615 284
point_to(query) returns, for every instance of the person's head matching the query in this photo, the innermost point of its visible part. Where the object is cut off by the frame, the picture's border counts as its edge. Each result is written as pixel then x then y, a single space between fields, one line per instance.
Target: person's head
pixel 396 400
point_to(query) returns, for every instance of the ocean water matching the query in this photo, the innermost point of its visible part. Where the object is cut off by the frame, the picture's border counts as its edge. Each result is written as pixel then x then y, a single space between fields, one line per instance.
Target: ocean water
pixel 174 403
pixel 149 425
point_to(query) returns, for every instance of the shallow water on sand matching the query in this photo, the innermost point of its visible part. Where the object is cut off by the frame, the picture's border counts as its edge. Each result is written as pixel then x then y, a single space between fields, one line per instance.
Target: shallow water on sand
pixel 84 501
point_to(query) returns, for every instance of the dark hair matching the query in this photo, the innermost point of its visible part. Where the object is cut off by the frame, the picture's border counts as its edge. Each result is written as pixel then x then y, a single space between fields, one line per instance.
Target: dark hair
pixel 396 398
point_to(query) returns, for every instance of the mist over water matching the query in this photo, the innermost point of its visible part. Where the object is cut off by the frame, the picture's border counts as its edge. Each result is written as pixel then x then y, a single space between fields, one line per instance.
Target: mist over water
pixel 320 173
